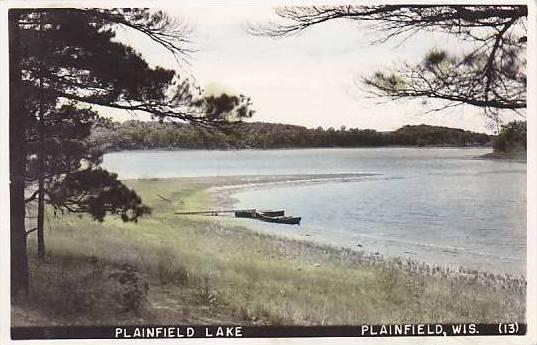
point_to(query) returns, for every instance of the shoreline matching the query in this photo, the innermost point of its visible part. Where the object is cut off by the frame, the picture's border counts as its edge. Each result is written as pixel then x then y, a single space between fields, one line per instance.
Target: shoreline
pixel 171 149
pixel 221 194
pixel 221 189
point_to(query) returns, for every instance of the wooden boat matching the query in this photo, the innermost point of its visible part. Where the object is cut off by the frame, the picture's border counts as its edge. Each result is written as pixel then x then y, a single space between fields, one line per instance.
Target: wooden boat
pixel 252 213
pixel 278 219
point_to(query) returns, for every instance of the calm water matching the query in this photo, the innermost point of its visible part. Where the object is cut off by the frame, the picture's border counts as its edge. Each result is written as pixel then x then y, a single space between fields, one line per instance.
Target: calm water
pixel 437 205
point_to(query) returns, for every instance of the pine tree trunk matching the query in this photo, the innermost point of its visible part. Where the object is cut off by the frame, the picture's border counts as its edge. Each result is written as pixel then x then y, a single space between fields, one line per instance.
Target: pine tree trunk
pixel 41 190
pixel 17 166
pixel 41 157
pixel 41 219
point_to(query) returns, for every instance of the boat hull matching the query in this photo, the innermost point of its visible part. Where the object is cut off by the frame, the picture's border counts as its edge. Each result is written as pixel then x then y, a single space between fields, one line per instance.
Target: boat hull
pixel 271 213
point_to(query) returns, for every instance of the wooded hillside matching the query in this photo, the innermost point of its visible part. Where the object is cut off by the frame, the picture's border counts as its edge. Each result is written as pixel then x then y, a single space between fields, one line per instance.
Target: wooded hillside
pixel 132 135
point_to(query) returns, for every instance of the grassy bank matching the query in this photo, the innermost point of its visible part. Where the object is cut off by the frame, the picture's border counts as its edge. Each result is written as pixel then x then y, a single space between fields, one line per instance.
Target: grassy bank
pixel 200 270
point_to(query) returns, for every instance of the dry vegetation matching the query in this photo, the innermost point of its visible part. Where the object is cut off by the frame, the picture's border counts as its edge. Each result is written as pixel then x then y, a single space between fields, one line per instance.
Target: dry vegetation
pixel 200 270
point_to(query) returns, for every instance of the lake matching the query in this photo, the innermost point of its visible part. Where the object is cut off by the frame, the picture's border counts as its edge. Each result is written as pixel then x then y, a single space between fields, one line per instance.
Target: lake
pixel 438 205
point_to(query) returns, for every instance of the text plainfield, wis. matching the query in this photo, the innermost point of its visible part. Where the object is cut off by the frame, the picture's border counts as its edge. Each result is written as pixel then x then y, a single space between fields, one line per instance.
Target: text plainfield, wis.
pixel 417 329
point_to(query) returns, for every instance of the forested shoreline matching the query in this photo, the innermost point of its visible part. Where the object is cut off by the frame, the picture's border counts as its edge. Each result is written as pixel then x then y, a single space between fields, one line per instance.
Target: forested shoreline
pixel 110 136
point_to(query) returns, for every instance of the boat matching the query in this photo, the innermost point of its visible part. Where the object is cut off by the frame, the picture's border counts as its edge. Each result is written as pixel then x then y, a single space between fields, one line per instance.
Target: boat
pixel 278 219
pixel 252 213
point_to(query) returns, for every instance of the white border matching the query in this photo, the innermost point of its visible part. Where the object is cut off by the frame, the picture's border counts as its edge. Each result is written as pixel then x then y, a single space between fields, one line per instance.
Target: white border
pixel 530 338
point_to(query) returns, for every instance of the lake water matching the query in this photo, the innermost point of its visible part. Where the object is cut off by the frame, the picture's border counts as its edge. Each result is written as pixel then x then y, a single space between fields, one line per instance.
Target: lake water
pixel 438 205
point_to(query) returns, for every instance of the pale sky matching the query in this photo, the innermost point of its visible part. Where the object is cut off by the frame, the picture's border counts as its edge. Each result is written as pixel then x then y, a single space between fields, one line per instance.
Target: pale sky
pixel 309 79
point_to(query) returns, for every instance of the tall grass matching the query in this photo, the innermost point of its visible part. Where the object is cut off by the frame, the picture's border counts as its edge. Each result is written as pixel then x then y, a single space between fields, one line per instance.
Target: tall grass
pixel 201 270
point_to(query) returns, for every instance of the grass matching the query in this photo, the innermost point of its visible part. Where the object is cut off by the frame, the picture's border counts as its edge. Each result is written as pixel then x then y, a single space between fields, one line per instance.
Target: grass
pixel 202 270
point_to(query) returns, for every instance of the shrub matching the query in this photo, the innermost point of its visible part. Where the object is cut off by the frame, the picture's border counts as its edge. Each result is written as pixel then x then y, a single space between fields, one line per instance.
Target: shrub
pixel 70 287
pixel 130 288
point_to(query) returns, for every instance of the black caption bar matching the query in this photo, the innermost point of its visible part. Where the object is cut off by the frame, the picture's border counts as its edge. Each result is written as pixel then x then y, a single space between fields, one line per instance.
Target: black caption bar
pixel 227 331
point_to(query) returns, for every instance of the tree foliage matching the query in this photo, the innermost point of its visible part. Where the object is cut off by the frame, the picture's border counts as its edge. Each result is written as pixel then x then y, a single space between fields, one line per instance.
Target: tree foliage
pixel 96 192
pixel 60 142
pixel 61 154
pixel 512 138
pixel 490 74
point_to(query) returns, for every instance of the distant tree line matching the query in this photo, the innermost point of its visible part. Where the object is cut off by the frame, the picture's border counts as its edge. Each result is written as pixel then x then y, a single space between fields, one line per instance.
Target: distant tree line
pixel 109 136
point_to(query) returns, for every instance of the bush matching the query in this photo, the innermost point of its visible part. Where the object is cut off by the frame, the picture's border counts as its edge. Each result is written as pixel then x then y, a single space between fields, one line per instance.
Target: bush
pixel 130 288
pixel 71 287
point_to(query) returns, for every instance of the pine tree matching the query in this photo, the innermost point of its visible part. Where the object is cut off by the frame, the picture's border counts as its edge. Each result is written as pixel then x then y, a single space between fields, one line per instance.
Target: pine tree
pixel 69 56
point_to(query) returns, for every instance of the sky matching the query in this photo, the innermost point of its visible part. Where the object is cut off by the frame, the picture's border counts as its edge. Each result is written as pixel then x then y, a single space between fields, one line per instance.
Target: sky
pixel 311 79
